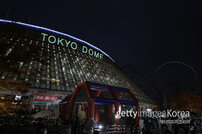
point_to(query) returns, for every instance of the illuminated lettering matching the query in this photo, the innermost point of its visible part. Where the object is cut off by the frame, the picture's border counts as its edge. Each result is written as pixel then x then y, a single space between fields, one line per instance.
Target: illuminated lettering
pixel 96 54
pixel 44 36
pixel 90 52
pixel 60 42
pixel 52 41
pixel 70 44
pixel 74 45
pixel 67 43
pixel 84 49
pixel 101 56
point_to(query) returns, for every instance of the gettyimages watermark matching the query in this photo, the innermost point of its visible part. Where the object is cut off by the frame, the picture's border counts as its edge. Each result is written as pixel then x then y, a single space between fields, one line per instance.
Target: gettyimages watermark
pixel 168 116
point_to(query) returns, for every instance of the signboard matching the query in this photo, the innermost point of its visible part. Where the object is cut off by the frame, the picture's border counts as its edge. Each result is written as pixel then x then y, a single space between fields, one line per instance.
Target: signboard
pixel 45 98
pixel 70 44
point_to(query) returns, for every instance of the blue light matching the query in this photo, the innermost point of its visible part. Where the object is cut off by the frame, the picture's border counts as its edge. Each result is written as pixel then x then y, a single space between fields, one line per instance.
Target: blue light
pixel 53 31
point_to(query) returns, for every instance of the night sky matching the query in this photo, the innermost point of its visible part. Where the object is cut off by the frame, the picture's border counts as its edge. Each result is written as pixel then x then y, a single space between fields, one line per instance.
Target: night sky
pixel 141 33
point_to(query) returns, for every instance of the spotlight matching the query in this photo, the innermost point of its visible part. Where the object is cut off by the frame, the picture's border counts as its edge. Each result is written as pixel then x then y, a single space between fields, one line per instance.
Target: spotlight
pixel 100 126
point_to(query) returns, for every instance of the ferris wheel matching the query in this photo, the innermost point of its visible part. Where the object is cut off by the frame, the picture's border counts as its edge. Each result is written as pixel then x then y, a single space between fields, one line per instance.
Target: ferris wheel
pixel 180 66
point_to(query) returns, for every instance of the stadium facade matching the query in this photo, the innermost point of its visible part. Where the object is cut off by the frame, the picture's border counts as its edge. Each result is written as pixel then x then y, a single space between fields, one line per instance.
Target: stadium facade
pixel 70 61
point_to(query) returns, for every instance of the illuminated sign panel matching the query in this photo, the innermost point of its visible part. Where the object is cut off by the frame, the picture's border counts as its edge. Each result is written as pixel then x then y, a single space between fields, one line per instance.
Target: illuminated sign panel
pixel 45 98
pixel 71 44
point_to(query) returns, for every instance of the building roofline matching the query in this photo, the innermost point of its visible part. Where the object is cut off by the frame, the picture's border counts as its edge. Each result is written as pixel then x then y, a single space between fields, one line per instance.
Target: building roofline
pixel 57 32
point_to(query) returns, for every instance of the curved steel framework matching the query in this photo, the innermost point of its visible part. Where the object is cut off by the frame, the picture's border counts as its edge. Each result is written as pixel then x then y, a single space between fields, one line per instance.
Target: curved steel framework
pixel 54 31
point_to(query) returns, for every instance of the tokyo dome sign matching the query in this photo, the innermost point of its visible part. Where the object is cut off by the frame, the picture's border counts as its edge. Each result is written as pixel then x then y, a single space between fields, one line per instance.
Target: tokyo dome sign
pixel 70 44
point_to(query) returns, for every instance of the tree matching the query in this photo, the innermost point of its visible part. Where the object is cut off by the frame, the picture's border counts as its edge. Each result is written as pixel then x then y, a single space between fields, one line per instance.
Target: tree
pixel 15 59
pixel 188 101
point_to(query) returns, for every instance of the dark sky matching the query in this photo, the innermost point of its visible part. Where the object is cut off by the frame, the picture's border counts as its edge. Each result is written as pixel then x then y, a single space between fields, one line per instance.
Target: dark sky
pixel 142 33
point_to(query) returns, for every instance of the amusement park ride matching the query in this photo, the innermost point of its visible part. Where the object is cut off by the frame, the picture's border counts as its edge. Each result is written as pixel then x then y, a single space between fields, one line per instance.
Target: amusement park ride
pixel 99 104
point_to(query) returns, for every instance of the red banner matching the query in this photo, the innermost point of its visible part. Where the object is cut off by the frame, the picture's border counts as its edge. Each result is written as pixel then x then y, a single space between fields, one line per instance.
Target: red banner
pixel 45 98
